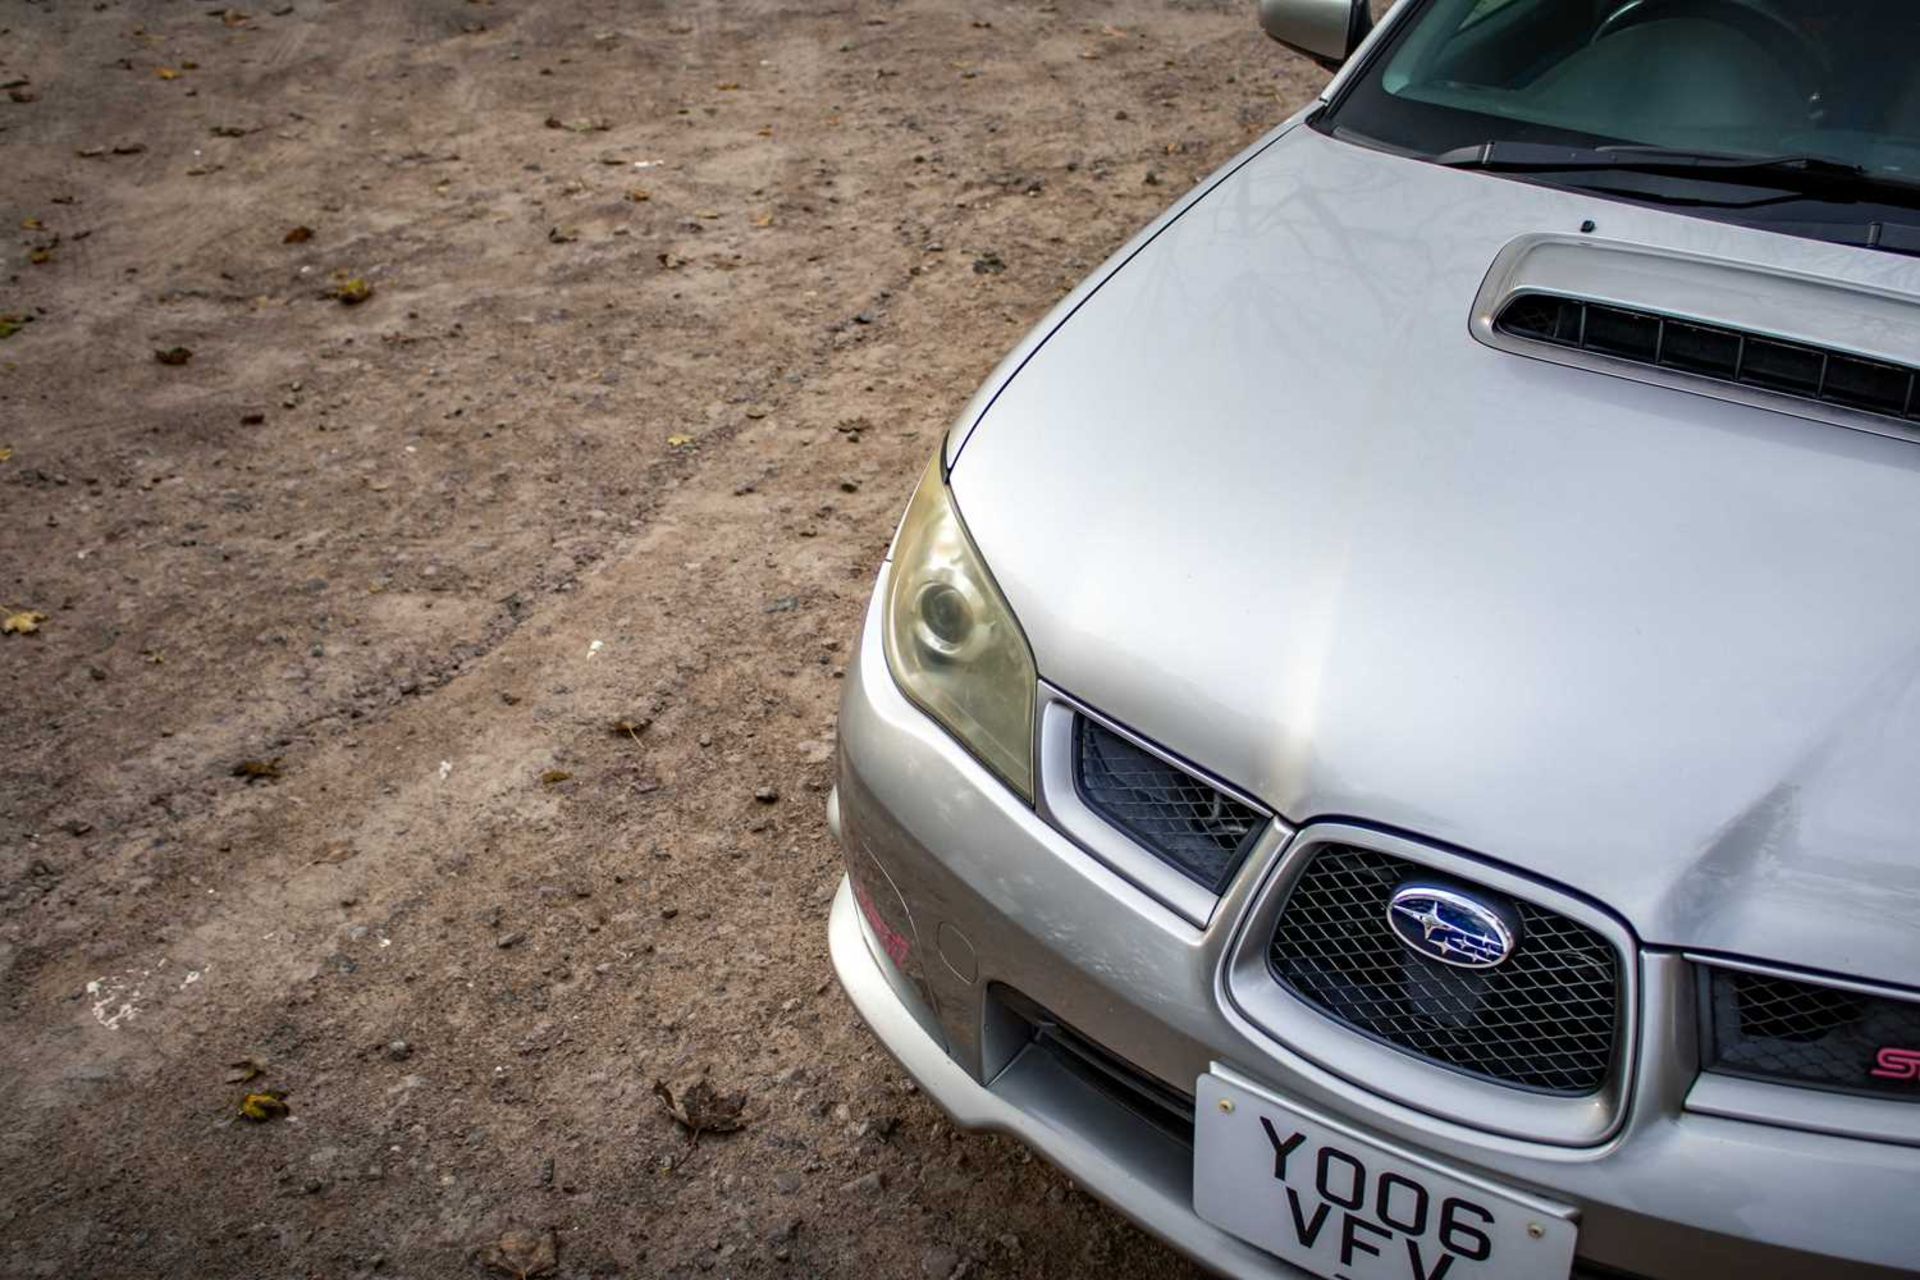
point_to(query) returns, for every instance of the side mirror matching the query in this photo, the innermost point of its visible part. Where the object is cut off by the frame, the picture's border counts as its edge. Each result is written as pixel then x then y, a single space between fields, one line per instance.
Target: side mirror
pixel 1327 31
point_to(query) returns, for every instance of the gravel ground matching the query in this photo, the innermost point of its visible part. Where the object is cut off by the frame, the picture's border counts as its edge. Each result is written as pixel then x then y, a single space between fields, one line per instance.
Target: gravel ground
pixel 433 705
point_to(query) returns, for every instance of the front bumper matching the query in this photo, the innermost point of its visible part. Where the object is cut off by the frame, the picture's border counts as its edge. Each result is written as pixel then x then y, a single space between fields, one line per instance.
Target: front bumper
pixel 1040 1100
pixel 994 912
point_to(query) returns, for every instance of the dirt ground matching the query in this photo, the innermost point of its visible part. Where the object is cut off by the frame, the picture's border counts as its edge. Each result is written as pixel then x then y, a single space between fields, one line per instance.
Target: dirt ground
pixel 434 701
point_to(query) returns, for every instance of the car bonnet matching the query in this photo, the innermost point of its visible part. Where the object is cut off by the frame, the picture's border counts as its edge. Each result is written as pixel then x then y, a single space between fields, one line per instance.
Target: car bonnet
pixel 1258 492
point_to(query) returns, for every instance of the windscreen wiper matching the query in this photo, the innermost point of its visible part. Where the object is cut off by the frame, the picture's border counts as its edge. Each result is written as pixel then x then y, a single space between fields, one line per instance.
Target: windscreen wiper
pixel 1806 175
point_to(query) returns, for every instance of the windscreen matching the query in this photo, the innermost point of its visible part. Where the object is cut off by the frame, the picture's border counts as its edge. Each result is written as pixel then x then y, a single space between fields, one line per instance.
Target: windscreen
pixel 1837 79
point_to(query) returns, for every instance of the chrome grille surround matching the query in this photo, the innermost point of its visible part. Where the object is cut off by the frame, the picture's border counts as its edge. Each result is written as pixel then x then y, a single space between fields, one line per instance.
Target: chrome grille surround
pixel 1294 1027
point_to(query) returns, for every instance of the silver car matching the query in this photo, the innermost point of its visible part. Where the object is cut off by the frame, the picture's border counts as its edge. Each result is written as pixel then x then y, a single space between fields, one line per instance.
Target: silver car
pixel 1387 745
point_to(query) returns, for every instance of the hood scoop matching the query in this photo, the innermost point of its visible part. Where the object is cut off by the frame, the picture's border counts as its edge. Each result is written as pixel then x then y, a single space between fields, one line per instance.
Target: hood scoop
pixel 1797 344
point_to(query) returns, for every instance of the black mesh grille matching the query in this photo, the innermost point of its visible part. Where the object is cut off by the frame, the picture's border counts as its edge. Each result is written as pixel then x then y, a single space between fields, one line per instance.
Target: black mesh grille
pixel 1803 1033
pixel 1194 827
pixel 1712 351
pixel 1546 1018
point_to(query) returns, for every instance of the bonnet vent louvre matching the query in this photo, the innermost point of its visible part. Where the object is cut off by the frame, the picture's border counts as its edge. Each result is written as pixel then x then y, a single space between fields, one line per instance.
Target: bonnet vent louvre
pixel 1713 351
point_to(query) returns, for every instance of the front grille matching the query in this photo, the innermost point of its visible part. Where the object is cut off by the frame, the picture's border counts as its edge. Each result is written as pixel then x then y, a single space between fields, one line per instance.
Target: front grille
pixel 1547 1018
pixel 1795 1032
pixel 1194 827
pixel 1718 352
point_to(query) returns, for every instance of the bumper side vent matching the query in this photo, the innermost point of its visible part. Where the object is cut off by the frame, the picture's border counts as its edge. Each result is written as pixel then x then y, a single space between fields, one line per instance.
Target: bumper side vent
pixel 1547 1019
pixel 1165 1108
pixel 1794 1032
pixel 1189 824
pixel 1823 374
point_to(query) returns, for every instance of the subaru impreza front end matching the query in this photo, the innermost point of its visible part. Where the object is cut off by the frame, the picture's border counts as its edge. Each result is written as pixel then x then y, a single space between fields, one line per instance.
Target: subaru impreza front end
pixel 1383 744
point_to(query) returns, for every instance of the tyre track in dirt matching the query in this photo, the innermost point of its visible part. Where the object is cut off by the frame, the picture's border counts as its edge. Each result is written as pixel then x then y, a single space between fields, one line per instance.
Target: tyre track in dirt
pixel 546 946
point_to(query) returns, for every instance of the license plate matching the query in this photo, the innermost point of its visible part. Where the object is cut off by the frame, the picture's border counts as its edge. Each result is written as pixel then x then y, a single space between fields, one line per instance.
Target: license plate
pixel 1344 1207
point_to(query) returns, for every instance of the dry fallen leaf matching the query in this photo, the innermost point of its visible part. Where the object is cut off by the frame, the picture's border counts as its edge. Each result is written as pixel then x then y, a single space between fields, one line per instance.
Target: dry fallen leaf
pixel 6 454
pixel 728 87
pixel 257 770
pixel 32 224
pixel 706 213
pixel 554 777
pixel 244 1070
pixel 679 442
pixel 266 1105
pixel 172 355
pixel 631 728
pixel 40 257
pixel 639 195
pixel 353 291
pixel 298 235
pixel 703 1108
pixel 524 1255
pixel 24 623
pixel 764 220
pixel 334 854
pixel 12 324
pixel 166 73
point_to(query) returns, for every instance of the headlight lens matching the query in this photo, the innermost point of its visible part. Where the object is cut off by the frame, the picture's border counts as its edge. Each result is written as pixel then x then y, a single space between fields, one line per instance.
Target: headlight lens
pixel 951 640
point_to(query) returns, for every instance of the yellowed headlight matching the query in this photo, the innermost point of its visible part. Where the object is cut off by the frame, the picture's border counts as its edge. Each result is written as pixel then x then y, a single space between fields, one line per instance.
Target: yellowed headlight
pixel 951 640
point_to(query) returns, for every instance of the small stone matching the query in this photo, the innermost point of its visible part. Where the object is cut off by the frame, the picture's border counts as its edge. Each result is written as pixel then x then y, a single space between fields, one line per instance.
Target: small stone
pixel 786 1181
pixel 866 1184
pixel 767 795
pixel 399 1050
pixel 506 940
pixel 939 1262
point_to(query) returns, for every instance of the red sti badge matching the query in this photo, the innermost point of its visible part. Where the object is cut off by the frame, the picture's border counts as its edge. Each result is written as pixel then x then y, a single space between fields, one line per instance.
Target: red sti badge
pixel 1896 1064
